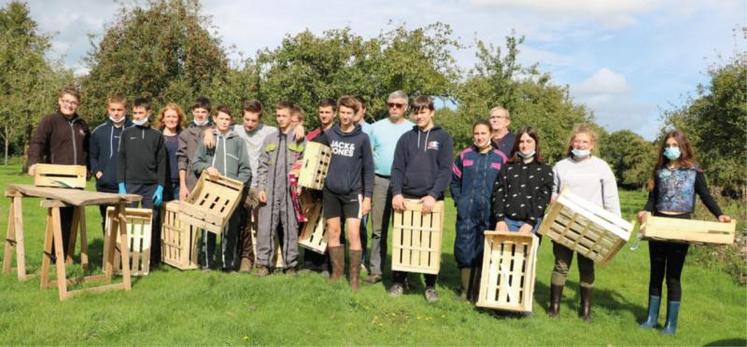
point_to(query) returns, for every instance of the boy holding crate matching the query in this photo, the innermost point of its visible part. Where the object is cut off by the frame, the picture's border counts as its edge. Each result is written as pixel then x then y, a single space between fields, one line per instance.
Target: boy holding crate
pixel 421 170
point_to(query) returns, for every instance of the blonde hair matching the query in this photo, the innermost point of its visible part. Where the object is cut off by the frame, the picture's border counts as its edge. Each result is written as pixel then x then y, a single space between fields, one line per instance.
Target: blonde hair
pixel 500 108
pixel 583 128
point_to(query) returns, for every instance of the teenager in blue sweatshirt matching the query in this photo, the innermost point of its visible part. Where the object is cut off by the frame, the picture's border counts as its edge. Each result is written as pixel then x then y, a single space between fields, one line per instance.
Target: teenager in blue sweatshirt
pixel 104 147
pixel 421 170
pixel 347 189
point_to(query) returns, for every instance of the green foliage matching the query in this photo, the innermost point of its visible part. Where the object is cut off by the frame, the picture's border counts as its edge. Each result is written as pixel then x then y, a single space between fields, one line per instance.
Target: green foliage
pixel 630 156
pixel 715 121
pixel 164 52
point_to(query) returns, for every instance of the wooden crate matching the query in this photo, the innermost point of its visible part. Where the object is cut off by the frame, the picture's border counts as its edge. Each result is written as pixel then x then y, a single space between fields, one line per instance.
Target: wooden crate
pixel 139 221
pixel 178 242
pixel 416 245
pixel 687 230
pixel 210 205
pixel 60 176
pixel 313 234
pixel 585 228
pixel 316 157
pixel 508 268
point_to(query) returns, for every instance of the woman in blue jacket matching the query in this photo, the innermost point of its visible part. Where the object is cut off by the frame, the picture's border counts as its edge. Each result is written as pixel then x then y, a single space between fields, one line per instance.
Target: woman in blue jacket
pixel 472 177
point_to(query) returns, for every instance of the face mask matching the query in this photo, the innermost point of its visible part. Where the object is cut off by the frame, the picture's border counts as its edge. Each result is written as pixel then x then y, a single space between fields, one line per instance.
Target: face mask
pixel 580 153
pixel 526 155
pixel 672 153
pixel 117 122
pixel 140 122
pixel 200 123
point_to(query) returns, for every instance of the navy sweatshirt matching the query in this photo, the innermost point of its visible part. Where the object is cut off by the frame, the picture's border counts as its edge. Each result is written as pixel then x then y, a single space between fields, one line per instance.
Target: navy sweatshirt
pixel 351 168
pixel 422 163
pixel 142 156
pixel 103 151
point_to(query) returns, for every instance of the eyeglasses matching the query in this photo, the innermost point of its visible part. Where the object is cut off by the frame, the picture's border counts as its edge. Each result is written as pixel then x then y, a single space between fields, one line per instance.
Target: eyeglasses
pixel 395 105
pixel 70 102
pixel 498 117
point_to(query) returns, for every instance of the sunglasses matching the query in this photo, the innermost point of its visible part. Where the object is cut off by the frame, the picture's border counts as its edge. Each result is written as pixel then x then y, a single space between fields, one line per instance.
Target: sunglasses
pixel 395 105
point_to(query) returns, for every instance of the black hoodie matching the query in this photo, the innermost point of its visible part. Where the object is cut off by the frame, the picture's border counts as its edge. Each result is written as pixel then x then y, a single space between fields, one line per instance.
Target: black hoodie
pixel 351 168
pixel 142 156
pixel 422 163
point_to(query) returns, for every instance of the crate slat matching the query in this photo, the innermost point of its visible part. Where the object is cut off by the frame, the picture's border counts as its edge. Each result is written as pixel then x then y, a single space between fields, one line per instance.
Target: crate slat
pixel 313 174
pixel 417 238
pixel 178 242
pixel 60 176
pixel 210 205
pixel 687 230
pixel 508 271
pixel 139 222
pixel 313 234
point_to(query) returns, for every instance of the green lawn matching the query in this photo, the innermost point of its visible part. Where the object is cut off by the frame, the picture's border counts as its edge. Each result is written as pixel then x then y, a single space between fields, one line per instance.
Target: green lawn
pixel 171 307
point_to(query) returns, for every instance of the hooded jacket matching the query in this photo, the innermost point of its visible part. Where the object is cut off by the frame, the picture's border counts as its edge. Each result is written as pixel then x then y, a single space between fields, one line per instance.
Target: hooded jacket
pixel 189 139
pixel 103 154
pixel 422 163
pixel 229 157
pixel 351 166
pixel 59 140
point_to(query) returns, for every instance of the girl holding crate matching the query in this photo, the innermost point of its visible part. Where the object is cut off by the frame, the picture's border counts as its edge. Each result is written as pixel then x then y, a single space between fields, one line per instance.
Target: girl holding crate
pixel 472 174
pixel 672 189
pixel 590 178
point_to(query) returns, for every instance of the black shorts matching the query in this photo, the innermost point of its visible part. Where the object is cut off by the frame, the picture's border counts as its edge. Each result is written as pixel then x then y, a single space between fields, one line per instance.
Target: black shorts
pixel 343 206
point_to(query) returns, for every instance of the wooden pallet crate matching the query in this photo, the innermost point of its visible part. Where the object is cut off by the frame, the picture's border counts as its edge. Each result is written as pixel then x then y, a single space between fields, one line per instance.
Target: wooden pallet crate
pixel 585 228
pixel 313 235
pixel 416 245
pixel 316 157
pixel 178 242
pixel 60 176
pixel 508 269
pixel 210 205
pixel 687 230
pixel 139 222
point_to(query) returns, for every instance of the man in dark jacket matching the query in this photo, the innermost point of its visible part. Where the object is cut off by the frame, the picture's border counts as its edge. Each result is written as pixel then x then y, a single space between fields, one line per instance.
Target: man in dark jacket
pixel 61 138
pixel 503 139
pixel 189 139
pixel 105 146
pixel 421 170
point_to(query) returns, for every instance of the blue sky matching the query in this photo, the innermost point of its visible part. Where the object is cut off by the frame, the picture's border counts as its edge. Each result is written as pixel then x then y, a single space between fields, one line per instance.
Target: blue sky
pixel 627 60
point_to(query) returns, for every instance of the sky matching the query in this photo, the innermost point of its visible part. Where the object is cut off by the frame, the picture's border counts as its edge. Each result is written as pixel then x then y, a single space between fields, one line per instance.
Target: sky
pixel 627 60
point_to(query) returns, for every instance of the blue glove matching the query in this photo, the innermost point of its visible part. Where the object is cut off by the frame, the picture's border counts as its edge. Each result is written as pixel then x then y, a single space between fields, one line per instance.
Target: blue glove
pixel 122 189
pixel 158 196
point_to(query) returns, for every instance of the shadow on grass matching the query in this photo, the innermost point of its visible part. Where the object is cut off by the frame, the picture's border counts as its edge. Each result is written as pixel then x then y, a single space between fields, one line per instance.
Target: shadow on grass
pixel 606 298
pixel 728 342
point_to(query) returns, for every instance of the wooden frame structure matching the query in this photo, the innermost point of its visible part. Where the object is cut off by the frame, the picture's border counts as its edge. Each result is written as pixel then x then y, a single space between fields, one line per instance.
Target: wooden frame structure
pixel 316 157
pixel 210 205
pixel 178 243
pixel 417 236
pixel 508 270
pixel 585 228
pixel 139 238
pixel 60 176
pixel 687 230
pixel 313 235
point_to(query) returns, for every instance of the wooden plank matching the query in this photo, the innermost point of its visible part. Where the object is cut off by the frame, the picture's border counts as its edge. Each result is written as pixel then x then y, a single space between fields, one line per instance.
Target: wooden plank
pixel 124 249
pixel 407 221
pixel 59 253
pixel 10 240
pixel 73 197
pixel 83 238
pixel 315 165
pixel 73 237
pixel 397 237
pixel 61 176
pixel 47 255
pixel 416 238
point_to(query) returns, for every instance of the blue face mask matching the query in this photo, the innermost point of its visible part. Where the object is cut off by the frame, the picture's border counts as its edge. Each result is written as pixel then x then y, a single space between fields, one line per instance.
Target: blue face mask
pixel 672 153
pixel 580 153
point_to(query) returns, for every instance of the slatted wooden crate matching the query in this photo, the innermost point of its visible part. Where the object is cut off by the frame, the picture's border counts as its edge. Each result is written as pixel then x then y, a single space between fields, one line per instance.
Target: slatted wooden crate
pixel 209 206
pixel 139 221
pixel 508 269
pixel 416 245
pixel 316 157
pixel 585 228
pixel 60 176
pixel 178 242
pixel 313 234
pixel 687 230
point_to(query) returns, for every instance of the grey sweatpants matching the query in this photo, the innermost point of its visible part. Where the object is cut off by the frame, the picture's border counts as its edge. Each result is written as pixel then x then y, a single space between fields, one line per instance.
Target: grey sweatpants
pixel 381 215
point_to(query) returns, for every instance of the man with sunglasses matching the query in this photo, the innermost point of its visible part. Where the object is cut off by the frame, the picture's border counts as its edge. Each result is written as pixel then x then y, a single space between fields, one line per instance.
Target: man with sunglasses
pixel 384 135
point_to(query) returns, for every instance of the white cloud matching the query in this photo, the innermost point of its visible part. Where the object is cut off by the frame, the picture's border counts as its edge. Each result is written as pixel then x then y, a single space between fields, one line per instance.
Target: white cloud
pixel 613 13
pixel 603 81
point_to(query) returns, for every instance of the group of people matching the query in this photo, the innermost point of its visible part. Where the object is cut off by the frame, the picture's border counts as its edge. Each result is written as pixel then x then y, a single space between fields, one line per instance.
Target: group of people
pixel 499 182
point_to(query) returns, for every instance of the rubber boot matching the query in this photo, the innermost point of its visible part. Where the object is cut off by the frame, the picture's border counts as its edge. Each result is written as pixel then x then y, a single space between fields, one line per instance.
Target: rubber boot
pixel 556 292
pixel 337 258
pixel 670 327
pixel 653 312
pixel 355 269
pixel 465 279
pixel 585 312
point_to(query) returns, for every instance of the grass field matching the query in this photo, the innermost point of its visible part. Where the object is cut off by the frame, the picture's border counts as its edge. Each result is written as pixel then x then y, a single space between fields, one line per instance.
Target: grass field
pixel 171 307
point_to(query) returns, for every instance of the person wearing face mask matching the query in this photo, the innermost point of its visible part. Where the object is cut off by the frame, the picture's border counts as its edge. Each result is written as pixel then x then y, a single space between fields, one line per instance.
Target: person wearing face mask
pixel 676 180
pixel 472 176
pixel 104 147
pixel 189 139
pixel 591 179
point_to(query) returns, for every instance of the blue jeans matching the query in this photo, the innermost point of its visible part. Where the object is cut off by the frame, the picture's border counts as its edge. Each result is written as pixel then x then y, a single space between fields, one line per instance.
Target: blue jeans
pixel 514 225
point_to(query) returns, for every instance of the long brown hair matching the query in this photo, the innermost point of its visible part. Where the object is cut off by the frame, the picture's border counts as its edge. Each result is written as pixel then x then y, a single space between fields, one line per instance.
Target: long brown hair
pixel 686 159
pixel 532 132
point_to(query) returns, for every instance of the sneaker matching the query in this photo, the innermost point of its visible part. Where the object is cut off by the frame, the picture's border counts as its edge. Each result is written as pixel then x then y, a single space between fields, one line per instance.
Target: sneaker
pixel 262 271
pixel 373 278
pixel 396 290
pixel 430 295
pixel 246 265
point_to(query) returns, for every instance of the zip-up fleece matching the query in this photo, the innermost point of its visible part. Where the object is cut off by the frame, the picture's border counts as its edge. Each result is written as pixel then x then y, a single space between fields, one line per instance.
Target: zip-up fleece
pixel 185 153
pixel 103 153
pixel 58 140
pixel 422 163
pixel 351 166
pixel 229 157
pixel 142 156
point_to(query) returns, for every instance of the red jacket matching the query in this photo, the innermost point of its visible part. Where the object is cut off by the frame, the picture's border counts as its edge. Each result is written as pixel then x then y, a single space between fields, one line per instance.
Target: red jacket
pixel 58 140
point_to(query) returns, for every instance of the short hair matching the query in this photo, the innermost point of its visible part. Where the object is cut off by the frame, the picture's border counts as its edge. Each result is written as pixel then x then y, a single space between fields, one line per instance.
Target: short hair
pixel 398 94
pixel 284 104
pixel 223 109
pixel 500 108
pixel 179 113
pixel 582 128
pixel 349 102
pixel 141 102
pixel 422 102
pixel 328 102
pixel 70 90
pixel 116 99
pixel 534 134
pixel 253 106
pixel 480 122
pixel 201 102
pixel 295 109
pixel 361 101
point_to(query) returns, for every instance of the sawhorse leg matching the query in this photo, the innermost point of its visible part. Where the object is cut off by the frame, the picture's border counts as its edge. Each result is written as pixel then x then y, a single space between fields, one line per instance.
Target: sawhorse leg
pixel 14 239
pixel 78 223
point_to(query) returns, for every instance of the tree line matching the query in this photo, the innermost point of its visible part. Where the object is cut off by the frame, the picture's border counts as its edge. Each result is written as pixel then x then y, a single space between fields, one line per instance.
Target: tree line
pixel 167 50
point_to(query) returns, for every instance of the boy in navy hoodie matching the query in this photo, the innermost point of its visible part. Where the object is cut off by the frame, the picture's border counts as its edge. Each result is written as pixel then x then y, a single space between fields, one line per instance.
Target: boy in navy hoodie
pixel 104 147
pixel 421 170
pixel 347 189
